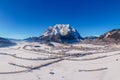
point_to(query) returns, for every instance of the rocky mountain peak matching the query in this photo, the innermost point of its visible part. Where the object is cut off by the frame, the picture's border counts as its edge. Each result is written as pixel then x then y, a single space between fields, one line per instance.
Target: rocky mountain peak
pixel 61 33
pixel 110 37
pixel 113 34
pixel 62 29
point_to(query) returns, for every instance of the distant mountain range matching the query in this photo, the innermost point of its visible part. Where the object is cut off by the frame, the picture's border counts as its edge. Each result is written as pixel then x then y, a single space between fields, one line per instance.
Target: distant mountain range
pixel 64 33
pixel 33 39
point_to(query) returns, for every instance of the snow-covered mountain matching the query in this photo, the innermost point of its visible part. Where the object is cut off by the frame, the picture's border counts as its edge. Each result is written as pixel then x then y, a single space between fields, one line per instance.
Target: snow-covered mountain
pixel 61 33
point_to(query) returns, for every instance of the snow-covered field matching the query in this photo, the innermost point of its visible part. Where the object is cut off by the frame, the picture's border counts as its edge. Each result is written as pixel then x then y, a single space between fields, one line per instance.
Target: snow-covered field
pixel 35 61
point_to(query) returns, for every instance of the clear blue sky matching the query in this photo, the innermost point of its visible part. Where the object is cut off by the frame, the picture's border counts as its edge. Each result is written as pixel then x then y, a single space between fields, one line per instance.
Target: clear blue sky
pixel 24 18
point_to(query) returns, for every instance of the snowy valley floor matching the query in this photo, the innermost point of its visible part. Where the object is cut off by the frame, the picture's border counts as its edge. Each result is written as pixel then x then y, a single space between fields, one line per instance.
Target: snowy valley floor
pixel 34 61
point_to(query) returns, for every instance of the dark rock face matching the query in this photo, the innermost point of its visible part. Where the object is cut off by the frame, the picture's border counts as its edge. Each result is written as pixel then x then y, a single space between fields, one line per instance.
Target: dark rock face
pixel 112 36
pixel 61 33
pixel 5 42
pixel 115 34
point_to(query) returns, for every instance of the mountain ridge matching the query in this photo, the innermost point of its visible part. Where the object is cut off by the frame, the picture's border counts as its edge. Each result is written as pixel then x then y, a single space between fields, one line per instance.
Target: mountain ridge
pixel 64 33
